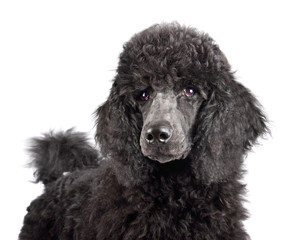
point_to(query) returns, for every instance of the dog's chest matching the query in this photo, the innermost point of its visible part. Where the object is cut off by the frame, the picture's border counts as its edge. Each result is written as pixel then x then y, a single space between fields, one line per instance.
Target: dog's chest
pixel 170 215
pixel 163 212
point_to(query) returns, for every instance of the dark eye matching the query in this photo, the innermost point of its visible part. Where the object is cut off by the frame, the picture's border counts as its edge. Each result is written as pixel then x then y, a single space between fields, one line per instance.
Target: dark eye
pixel 189 91
pixel 144 96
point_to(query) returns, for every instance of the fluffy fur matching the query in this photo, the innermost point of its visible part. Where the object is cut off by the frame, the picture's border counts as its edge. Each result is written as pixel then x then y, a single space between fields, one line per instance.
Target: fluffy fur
pixel 130 193
pixel 55 154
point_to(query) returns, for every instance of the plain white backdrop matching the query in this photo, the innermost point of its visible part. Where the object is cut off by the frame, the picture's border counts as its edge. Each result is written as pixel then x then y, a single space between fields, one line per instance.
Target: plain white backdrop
pixel 57 60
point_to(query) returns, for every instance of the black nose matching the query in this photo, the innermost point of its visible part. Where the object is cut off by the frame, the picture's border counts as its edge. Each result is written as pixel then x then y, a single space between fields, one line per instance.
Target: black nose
pixel 158 133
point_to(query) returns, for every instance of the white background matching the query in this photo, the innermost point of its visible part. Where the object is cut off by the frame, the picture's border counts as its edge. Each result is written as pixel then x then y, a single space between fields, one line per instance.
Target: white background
pixel 57 60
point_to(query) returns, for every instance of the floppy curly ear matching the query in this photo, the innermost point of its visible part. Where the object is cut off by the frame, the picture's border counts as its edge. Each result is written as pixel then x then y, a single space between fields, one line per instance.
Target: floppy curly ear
pixel 118 133
pixel 229 123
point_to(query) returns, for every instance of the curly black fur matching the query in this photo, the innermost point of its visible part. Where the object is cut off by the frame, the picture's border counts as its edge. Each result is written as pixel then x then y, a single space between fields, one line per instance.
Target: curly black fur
pixel 55 154
pixel 130 196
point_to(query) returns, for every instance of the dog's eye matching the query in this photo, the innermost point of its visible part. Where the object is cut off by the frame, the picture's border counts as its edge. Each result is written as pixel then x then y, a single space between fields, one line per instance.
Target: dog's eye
pixel 189 91
pixel 144 96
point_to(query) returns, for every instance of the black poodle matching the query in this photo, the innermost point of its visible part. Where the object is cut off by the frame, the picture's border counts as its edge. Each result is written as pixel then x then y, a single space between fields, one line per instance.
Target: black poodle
pixel 172 137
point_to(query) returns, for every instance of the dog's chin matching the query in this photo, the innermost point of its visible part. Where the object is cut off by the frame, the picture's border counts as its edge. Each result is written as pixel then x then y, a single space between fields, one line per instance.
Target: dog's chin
pixel 165 154
pixel 165 158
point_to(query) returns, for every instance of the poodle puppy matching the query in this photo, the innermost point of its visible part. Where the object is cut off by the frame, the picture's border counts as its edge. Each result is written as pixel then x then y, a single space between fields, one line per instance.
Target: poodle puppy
pixel 172 136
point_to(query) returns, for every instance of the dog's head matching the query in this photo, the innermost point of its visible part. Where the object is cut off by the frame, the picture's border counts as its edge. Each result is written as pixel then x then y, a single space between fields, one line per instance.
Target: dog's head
pixel 174 97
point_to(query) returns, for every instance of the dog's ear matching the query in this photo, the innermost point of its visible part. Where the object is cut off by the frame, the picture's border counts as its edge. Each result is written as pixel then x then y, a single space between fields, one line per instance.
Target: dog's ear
pixel 118 133
pixel 229 122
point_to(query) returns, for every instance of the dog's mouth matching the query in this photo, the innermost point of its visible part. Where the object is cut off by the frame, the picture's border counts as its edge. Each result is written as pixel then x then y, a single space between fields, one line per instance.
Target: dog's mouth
pixel 164 157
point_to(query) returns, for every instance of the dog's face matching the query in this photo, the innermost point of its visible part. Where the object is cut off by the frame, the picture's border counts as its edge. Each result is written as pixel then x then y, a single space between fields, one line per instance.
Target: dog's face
pixel 175 97
pixel 168 121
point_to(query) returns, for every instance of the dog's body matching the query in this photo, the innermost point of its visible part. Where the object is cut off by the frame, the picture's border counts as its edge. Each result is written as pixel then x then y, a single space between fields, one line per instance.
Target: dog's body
pixel 172 134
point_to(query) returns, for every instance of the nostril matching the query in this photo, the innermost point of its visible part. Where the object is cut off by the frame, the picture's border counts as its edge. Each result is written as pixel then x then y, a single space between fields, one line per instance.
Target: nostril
pixel 149 138
pixel 163 137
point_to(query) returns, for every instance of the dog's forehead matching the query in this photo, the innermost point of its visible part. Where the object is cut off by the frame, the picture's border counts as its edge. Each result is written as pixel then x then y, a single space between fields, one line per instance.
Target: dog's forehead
pixel 162 85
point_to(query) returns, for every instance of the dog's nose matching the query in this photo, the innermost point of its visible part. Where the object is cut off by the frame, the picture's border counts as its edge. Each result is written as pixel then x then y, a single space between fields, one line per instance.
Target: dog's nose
pixel 158 133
